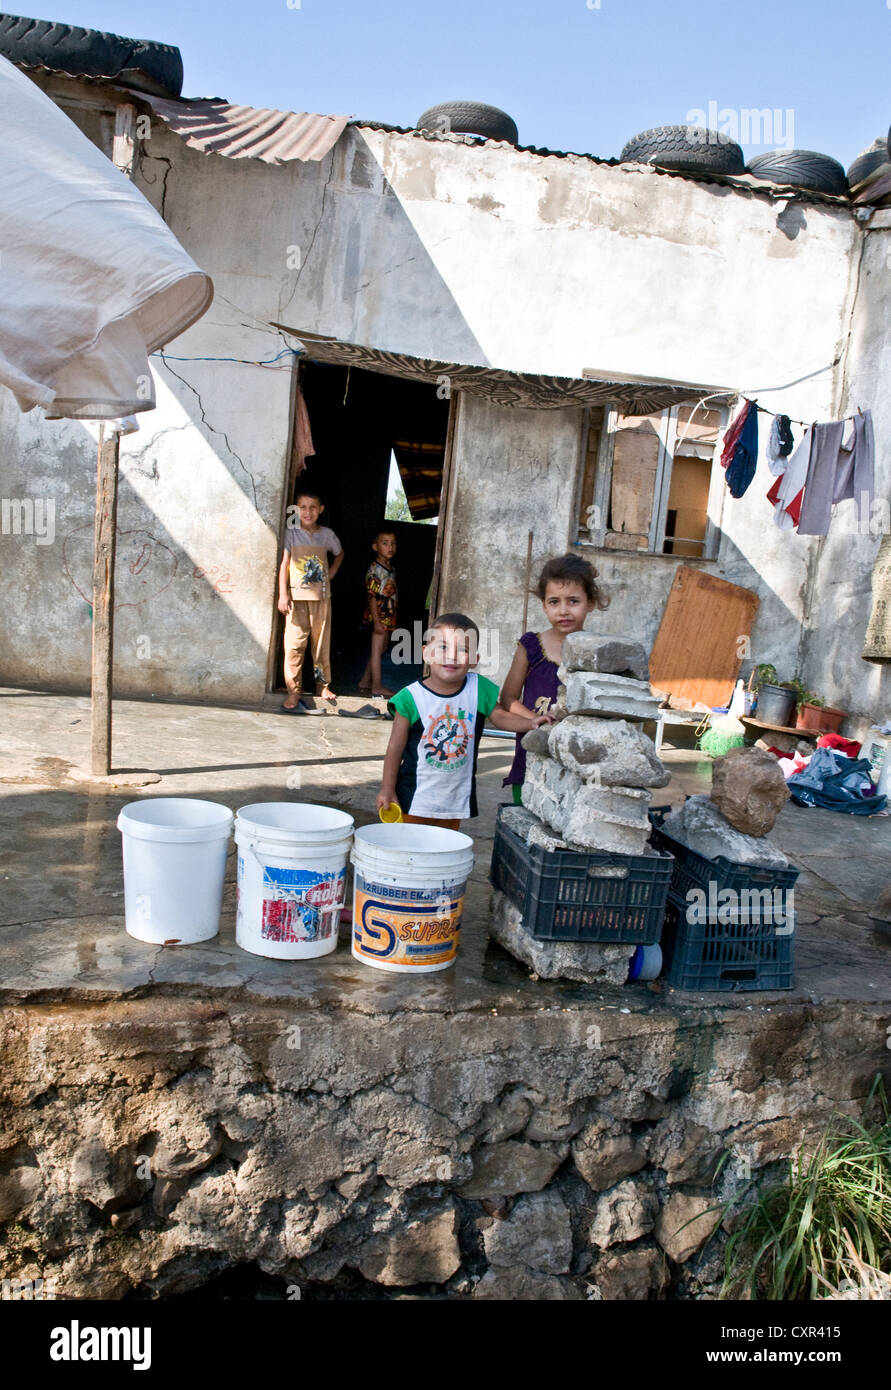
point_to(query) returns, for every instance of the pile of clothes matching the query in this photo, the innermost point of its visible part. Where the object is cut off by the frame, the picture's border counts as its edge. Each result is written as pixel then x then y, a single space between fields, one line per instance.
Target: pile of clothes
pixel 834 777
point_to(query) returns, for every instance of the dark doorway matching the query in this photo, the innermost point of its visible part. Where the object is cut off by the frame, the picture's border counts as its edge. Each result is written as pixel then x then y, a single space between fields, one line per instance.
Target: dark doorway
pixel 358 419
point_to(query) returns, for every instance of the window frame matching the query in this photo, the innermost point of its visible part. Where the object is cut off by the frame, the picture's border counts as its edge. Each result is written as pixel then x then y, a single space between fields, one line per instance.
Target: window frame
pixel 668 440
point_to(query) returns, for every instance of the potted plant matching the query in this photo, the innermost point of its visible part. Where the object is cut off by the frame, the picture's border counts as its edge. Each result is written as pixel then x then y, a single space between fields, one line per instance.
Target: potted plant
pixel 776 702
pixel 813 713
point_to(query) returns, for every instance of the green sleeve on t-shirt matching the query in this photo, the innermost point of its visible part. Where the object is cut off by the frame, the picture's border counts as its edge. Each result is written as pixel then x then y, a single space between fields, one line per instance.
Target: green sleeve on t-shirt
pixel 486 695
pixel 403 702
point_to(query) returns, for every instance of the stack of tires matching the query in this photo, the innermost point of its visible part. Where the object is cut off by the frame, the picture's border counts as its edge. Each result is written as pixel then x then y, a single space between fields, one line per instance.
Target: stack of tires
pixel 695 150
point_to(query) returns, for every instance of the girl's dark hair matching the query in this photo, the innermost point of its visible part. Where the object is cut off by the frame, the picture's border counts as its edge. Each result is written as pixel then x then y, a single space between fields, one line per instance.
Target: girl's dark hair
pixel 571 569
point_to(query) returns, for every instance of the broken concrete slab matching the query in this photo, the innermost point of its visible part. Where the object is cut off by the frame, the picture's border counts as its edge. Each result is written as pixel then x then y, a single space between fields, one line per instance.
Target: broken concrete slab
pixel 588 961
pixel 613 819
pixel 586 651
pixel 699 825
pixel 608 751
pixel 588 692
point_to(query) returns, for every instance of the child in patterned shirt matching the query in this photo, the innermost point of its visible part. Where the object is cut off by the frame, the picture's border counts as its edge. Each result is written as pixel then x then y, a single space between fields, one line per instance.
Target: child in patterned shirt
pixel 380 609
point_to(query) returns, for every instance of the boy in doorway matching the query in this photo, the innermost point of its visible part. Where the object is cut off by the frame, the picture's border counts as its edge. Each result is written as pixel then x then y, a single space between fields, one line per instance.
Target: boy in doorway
pixel 380 609
pixel 430 763
pixel 304 595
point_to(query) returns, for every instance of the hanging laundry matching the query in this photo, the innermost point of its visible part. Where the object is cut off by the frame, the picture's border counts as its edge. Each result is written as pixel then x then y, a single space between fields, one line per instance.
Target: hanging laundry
pixel 841 466
pixel 780 443
pixel 740 453
pixel 877 643
pixel 787 490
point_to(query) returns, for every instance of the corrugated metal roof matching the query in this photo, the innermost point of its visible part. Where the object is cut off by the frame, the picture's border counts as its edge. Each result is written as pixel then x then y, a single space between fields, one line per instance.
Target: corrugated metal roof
pixel 215 126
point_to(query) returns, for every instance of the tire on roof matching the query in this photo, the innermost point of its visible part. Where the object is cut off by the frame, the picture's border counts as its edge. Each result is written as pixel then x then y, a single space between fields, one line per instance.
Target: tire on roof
pixel 685 149
pixel 470 118
pixel 801 169
pixel 139 63
pixel 866 163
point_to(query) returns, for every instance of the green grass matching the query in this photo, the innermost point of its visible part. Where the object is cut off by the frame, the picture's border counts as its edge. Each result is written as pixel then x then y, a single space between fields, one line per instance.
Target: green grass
pixel 801 1235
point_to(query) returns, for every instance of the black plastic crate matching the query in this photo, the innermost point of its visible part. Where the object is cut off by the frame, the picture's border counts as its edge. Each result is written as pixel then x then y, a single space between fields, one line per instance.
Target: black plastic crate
pixel 737 955
pixel 692 870
pixel 575 895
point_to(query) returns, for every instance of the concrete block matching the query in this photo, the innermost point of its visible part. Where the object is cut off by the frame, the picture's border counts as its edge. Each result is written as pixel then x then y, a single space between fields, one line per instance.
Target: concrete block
pixel 586 651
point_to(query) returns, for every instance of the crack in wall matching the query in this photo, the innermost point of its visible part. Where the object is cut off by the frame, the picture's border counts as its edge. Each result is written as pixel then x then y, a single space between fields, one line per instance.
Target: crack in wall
pixel 213 429
pixel 160 159
pixel 284 307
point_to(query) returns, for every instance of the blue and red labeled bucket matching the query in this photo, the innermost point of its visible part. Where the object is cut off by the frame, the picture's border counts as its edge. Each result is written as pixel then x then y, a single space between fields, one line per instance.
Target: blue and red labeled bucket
pixel 291 878
pixel 408 896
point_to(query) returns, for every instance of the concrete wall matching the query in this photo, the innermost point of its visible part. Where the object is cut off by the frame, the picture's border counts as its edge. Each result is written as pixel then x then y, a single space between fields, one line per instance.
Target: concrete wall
pixel 513 472
pixel 840 596
pixel 442 250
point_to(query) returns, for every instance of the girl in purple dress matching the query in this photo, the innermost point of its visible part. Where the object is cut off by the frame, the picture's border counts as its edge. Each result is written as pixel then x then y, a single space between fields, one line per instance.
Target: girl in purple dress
pixel 568 591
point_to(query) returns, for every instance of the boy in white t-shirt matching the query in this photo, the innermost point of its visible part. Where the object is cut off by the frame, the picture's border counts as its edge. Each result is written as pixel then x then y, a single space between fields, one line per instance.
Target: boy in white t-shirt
pixel 430 763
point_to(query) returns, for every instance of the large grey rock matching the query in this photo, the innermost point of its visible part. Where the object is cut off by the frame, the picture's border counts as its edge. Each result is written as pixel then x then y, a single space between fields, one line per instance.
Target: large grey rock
pixel 613 819
pixel 749 789
pixel 519 820
pixel 590 692
pixel 685 1223
pixel 631 1275
pixel 699 825
pixel 625 1213
pixel 608 752
pixel 525 1286
pixel 586 651
pixel 589 962
pixel 537 1234
pixel 501 1170
pixel 536 740
pixel 20 1184
pixel 603 1158
pixel 423 1252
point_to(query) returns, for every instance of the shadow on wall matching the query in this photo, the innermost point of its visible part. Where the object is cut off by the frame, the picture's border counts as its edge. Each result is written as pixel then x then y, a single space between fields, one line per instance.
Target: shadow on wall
pixel 193 616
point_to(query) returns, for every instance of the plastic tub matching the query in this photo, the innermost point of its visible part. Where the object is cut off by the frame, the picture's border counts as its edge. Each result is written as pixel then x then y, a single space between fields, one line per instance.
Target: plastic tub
pixel 174 862
pixel 291 878
pixel 408 896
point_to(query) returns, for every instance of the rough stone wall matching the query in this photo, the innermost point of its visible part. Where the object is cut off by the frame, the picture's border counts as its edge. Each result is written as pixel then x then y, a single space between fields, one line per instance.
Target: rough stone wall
pixel 151 1143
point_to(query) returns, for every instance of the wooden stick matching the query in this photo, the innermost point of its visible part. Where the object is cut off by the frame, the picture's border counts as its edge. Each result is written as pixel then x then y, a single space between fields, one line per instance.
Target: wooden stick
pixel 527 581
pixel 104 544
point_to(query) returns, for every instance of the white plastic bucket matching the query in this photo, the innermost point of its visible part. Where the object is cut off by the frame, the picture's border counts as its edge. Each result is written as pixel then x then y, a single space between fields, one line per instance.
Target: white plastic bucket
pixel 408 896
pixel 291 878
pixel 174 863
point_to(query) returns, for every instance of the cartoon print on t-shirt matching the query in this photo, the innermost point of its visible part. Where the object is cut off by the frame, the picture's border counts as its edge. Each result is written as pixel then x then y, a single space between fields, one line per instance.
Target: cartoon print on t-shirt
pixel 447 739
pixel 308 570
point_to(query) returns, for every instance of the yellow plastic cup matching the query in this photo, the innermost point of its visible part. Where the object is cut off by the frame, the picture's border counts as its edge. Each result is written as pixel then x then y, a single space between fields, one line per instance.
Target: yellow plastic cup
pixel 391 814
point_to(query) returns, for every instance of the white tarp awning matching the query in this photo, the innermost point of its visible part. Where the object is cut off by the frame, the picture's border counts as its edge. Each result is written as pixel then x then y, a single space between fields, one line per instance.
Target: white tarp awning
pixel 91 278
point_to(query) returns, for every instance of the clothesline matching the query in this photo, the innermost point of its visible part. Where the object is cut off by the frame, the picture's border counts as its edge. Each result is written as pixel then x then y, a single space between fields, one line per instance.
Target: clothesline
pixel 805 424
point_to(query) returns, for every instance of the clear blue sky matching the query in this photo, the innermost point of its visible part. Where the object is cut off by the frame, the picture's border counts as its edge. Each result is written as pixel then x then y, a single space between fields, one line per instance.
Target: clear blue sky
pixel 573 77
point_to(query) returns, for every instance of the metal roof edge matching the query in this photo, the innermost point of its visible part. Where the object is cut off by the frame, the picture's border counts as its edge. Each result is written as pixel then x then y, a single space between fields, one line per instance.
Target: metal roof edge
pixel 743 183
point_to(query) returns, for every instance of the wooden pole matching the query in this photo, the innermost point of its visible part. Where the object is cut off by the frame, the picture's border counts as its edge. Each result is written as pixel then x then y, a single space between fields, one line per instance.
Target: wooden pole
pixel 105 530
pixel 527 580
pixel 104 540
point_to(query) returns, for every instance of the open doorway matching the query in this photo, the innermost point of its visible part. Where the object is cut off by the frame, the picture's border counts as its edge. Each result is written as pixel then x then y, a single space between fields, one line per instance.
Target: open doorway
pixel 360 422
